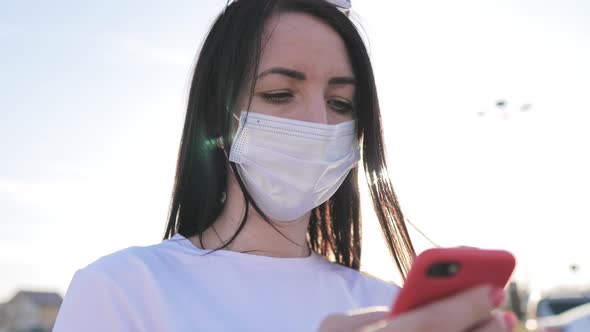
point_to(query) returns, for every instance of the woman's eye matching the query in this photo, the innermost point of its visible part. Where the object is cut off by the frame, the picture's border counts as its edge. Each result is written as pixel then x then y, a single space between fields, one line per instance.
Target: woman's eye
pixel 341 106
pixel 278 97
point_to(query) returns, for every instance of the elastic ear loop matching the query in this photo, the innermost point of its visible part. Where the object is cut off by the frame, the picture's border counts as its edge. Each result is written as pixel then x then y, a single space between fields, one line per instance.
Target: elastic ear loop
pixel 220 145
pixel 219 140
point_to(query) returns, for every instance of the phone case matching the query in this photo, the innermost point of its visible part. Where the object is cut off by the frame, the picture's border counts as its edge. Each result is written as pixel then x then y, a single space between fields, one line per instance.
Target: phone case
pixel 441 272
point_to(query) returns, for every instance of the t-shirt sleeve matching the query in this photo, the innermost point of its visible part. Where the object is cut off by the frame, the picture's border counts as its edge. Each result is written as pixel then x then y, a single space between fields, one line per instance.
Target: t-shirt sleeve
pixel 93 302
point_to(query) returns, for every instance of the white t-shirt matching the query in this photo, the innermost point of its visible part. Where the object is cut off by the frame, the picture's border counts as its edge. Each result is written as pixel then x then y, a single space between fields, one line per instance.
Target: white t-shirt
pixel 172 286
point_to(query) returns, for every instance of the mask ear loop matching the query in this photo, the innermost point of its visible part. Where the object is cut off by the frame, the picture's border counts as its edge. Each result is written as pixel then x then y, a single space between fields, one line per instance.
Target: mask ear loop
pixel 219 140
pixel 221 145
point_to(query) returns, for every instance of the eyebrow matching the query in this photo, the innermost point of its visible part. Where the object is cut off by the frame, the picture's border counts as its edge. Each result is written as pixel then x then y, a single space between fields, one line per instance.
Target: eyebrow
pixel 300 76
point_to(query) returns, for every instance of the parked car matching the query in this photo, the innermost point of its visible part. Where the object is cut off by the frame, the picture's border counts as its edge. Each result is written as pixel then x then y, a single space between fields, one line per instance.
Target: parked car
pixel 559 314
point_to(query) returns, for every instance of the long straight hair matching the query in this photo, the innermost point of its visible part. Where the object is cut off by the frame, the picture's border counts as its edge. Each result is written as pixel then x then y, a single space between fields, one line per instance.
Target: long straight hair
pixel 229 59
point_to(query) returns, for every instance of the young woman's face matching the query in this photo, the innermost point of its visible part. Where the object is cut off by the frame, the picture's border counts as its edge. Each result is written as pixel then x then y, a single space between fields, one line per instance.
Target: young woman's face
pixel 304 72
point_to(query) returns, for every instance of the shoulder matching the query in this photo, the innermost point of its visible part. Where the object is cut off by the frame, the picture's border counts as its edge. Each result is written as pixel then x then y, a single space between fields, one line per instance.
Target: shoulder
pixel 129 263
pixel 125 267
pixel 108 293
pixel 111 264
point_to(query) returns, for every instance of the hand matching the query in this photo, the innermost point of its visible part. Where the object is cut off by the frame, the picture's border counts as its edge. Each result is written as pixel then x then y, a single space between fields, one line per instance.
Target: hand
pixel 469 311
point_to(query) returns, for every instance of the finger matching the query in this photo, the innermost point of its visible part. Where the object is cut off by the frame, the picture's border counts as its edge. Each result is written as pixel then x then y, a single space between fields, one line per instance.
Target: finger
pixel 354 320
pixel 456 313
pixel 368 315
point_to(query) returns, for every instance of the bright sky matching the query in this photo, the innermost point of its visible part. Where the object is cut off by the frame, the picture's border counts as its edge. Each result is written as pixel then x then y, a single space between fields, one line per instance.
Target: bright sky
pixel 92 100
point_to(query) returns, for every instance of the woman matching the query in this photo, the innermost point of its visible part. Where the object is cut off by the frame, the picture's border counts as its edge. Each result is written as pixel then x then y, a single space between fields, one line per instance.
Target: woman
pixel 264 231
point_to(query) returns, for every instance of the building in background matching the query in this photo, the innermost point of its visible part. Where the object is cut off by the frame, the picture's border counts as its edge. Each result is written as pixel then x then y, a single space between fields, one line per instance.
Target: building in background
pixel 30 311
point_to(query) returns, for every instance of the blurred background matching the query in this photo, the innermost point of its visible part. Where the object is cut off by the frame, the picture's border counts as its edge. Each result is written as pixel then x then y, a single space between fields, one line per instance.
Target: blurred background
pixel 485 107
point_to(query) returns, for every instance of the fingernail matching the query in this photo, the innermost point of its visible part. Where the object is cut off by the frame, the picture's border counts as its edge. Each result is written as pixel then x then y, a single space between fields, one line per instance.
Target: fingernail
pixel 497 296
pixel 510 319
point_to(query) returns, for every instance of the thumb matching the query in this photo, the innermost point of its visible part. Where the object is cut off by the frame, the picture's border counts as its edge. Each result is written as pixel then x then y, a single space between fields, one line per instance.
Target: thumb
pixel 368 315
pixel 354 320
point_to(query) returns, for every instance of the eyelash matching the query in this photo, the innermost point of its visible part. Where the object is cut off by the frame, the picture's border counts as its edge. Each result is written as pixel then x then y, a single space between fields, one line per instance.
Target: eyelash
pixel 277 98
pixel 284 97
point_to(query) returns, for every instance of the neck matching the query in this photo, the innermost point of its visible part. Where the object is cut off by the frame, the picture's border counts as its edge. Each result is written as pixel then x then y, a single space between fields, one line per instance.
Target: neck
pixel 257 237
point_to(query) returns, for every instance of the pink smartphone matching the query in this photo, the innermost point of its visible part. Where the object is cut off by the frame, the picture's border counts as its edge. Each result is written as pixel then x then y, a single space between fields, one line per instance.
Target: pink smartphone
pixel 441 272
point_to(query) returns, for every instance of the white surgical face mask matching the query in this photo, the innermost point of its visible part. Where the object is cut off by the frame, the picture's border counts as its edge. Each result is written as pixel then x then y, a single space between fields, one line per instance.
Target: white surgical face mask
pixel 289 166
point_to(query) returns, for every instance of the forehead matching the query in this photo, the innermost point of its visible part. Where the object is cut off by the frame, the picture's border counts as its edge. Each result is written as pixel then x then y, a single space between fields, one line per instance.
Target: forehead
pixel 305 43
